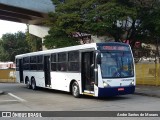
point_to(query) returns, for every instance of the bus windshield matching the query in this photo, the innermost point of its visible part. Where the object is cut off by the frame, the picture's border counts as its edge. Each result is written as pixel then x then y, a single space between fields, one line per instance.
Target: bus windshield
pixel 117 64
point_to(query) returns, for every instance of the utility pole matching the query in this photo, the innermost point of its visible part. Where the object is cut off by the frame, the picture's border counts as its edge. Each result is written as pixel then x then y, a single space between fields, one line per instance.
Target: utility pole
pixel 157 61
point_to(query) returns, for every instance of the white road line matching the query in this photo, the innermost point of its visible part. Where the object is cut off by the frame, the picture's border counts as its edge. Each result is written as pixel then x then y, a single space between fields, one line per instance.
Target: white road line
pixel 8 100
pixel 18 98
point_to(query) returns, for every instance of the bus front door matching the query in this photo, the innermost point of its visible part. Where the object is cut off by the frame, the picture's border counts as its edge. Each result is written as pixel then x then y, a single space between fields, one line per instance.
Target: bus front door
pixel 87 71
pixel 47 71
pixel 21 70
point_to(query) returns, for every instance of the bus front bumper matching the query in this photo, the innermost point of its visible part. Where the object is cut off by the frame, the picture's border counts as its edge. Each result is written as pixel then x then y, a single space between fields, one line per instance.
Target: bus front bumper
pixel 114 91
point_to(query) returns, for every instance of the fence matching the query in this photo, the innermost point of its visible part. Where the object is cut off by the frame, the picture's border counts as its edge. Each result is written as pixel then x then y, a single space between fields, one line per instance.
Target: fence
pixel 147 65
pixel 7 75
pixel 148 74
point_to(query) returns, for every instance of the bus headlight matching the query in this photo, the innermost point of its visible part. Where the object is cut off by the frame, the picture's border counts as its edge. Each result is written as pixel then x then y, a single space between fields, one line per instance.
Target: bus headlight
pixel 105 84
pixel 132 83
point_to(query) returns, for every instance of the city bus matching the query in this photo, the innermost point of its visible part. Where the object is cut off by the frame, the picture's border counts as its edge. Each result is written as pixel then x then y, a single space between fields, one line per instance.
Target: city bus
pixel 95 69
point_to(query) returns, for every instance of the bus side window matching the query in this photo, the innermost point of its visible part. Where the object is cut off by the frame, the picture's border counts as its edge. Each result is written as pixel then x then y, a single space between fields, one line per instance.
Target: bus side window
pixel 33 63
pixel 40 62
pixel 62 62
pixel 73 61
pixel 54 62
pixel 26 63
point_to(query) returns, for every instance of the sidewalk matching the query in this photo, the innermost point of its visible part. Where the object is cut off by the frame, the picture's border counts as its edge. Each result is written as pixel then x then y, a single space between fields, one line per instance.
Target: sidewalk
pixel 146 90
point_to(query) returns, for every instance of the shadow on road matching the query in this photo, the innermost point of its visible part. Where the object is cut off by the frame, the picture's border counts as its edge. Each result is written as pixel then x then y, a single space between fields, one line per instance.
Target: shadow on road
pixel 58 92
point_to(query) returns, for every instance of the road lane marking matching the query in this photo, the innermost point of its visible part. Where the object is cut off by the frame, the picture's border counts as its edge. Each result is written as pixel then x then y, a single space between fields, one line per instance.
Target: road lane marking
pixel 18 98
pixel 7 100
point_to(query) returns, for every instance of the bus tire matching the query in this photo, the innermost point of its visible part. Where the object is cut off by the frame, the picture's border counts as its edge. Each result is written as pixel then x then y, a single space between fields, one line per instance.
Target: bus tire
pixel 28 84
pixel 33 84
pixel 75 90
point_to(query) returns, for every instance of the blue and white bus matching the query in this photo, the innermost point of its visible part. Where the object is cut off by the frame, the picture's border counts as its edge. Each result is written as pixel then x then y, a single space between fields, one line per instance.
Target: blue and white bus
pixel 96 69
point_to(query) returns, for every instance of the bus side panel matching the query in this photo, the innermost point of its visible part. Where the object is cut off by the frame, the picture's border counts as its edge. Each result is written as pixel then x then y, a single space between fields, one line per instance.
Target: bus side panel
pixel 38 75
pixel 61 80
pixel 17 77
pixel 40 79
pixel 100 81
pixel 96 91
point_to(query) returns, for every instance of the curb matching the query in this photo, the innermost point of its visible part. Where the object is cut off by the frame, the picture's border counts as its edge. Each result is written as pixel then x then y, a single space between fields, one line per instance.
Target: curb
pixel 144 94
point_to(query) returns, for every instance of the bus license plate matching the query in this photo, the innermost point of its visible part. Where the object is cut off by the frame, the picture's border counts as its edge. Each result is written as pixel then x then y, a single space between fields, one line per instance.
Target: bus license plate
pixel 120 89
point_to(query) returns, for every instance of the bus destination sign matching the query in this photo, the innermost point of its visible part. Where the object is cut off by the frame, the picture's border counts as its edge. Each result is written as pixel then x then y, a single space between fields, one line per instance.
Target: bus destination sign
pixel 121 48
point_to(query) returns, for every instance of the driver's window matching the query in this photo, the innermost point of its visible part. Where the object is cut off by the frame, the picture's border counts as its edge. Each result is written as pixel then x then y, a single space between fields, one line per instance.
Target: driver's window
pixel 108 65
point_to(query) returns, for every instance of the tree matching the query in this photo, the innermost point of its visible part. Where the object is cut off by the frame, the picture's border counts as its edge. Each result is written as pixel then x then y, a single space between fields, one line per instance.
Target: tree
pixel 62 27
pixel 12 45
pixel 121 19
pixel 35 43
pixel 58 38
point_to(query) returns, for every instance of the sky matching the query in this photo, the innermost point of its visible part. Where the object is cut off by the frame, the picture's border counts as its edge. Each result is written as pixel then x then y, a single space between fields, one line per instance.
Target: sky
pixel 11 27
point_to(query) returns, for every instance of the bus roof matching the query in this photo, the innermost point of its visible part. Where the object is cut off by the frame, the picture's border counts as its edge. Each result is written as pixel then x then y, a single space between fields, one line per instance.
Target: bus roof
pixel 71 48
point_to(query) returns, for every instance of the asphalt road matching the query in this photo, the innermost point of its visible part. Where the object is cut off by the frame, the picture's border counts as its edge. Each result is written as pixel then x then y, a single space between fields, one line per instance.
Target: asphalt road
pixel 18 98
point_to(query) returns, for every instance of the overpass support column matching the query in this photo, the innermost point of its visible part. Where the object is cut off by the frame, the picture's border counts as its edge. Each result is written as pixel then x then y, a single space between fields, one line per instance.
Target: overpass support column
pixel 43 46
pixel 39 31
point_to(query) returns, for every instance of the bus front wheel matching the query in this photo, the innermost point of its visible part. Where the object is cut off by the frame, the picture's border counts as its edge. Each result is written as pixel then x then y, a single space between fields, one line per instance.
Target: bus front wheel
pixel 75 90
pixel 33 84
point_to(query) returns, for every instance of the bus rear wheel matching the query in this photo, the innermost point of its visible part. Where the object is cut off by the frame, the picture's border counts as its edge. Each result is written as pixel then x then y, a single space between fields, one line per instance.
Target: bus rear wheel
pixel 28 84
pixel 75 90
pixel 33 83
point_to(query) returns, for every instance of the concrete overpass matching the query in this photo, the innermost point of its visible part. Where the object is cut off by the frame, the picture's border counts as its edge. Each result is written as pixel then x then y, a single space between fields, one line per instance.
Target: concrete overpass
pixel 31 12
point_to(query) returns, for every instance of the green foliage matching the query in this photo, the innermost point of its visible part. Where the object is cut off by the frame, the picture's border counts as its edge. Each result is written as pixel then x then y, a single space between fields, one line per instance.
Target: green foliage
pixel 64 22
pixel 35 43
pixel 58 39
pixel 12 45
pixel 122 19
pixel 18 43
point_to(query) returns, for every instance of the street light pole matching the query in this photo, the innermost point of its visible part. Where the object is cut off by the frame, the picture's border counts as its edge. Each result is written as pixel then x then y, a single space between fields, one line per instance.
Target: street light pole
pixel 157 61
pixel 157 50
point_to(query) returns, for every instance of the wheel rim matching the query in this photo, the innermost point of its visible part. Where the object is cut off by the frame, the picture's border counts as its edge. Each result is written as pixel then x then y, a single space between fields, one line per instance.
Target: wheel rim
pixel 28 84
pixel 33 84
pixel 75 90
